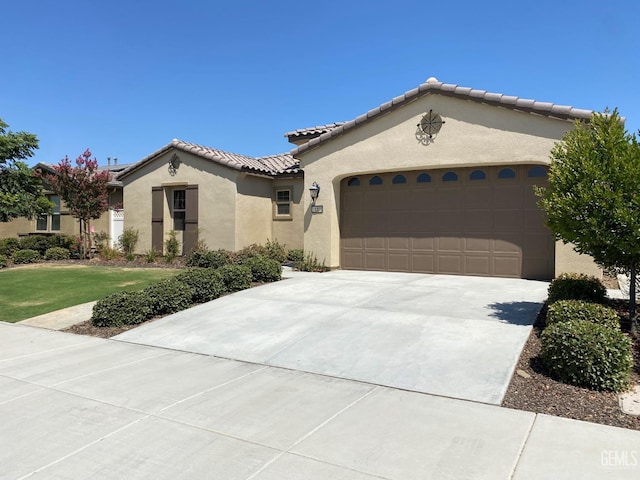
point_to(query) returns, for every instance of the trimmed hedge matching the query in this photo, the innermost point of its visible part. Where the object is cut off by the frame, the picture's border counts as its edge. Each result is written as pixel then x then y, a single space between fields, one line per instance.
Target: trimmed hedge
pixel 235 277
pixel 9 245
pixel 582 353
pixel 564 310
pixel 4 261
pixel 264 269
pixel 206 284
pixel 168 296
pixel 25 256
pixel 295 255
pixel 57 253
pixel 121 308
pixel 208 258
pixel 575 286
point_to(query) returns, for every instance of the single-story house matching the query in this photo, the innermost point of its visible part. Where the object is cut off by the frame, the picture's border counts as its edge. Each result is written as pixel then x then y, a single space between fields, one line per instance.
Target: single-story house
pixel 60 221
pixel 437 180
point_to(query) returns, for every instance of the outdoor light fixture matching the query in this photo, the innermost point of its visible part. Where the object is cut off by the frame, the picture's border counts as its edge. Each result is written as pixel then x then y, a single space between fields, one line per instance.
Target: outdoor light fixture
pixel 315 192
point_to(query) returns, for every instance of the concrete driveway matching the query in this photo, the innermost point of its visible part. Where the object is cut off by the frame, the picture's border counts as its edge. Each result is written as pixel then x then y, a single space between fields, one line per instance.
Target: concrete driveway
pixel 447 335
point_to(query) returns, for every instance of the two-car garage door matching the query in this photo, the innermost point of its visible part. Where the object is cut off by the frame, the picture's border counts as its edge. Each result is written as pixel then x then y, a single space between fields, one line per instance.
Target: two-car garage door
pixel 466 221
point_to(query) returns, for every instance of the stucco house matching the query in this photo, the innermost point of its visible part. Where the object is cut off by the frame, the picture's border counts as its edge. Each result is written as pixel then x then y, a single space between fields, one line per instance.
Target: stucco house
pixel 437 180
pixel 60 221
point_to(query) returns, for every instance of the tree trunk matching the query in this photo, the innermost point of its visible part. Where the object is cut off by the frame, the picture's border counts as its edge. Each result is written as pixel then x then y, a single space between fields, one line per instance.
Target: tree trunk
pixel 632 301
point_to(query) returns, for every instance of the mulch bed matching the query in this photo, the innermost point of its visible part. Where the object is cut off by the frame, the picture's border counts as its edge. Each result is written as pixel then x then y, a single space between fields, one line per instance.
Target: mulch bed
pixel 541 393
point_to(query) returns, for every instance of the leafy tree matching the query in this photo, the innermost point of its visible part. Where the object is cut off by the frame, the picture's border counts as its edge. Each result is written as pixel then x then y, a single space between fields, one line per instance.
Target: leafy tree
pixel 593 198
pixel 84 190
pixel 20 190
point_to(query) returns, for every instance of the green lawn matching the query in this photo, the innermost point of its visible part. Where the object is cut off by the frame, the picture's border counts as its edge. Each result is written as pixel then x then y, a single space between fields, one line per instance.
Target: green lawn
pixel 33 290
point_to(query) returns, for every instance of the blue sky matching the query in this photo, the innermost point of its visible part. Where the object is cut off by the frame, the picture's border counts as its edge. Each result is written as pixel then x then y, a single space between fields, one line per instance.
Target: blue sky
pixel 126 77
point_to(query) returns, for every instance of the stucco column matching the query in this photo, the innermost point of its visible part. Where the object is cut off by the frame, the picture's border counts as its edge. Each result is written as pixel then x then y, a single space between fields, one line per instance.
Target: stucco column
pixel 322 230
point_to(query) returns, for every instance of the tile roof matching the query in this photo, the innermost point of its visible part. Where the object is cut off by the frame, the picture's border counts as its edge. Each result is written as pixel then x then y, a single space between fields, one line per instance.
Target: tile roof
pixel 431 86
pixel 318 130
pixel 272 165
pixel 115 171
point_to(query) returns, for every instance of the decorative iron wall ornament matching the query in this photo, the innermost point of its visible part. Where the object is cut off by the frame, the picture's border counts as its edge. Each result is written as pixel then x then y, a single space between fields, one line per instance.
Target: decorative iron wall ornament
pixel 429 126
pixel 174 163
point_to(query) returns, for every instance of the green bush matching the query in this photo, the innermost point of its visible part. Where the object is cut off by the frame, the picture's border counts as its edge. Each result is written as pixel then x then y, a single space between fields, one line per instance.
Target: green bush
pixel 121 308
pixel 39 243
pixel 108 253
pixel 128 241
pixel 168 296
pixel 9 245
pixel 264 269
pixel 564 310
pixel 206 284
pixel 586 354
pixel 576 286
pixel 252 250
pixel 4 261
pixel 275 251
pixel 295 255
pixel 235 277
pixel 208 258
pixel 57 253
pixel 310 264
pixel 172 246
pixel 150 256
pixel 25 256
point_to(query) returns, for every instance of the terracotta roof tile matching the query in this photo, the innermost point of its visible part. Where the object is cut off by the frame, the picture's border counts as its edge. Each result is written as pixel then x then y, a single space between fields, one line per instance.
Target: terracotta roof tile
pixel 272 165
pixel 320 129
pixel 431 86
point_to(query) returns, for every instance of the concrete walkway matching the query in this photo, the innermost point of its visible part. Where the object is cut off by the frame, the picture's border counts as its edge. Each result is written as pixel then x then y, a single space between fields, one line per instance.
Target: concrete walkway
pixel 82 407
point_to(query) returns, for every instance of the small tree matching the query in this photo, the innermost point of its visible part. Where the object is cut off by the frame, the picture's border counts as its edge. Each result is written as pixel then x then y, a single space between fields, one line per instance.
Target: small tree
pixel 20 190
pixel 84 191
pixel 593 198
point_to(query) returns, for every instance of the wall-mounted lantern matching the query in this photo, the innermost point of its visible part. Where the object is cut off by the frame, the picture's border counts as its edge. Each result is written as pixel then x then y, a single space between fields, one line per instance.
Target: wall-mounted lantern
pixel 315 192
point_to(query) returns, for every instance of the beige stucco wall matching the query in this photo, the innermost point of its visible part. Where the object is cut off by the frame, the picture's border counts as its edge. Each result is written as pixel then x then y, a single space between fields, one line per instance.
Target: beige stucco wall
pixel 253 210
pixel 15 227
pixel 290 232
pixel 216 198
pixel 568 261
pixel 474 134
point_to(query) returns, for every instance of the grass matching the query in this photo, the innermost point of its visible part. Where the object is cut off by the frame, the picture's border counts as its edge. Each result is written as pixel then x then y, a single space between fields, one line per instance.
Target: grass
pixel 29 291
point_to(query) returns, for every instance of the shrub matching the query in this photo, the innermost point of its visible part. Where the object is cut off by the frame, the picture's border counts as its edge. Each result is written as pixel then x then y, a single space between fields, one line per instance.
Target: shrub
pixel 168 296
pixel 576 286
pixel 26 256
pixel 4 261
pixel 264 269
pixel 208 258
pixel 564 310
pixel 57 253
pixel 252 250
pixel 39 243
pixel 310 264
pixel 121 308
pixel 128 241
pixel 235 277
pixel 587 354
pixel 295 255
pixel 63 241
pixel 206 284
pixel 108 253
pixel 9 245
pixel 275 251
pixel 101 241
pixel 150 256
pixel 172 246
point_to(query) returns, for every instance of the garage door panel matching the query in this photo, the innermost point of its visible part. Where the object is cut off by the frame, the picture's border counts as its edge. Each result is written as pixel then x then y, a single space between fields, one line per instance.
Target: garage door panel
pixel 374 221
pixel 423 221
pixel 423 198
pixel 477 245
pixel 478 221
pixel 537 245
pixel 376 199
pixel 449 220
pixel 450 264
pixel 423 263
pixel 375 241
pixel 534 220
pixel 400 242
pixel 508 196
pixel 354 260
pixel 478 197
pixel 375 260
pixel 399 221
pixel 423 244
pixel 398 262
pixel 449 244
pixel 352 242
pixel 507 220
pixel 354 199
pixel 352 221
pixel 506 266
pixel 478 265
pixel 508 244
pixel 449 198
pixel 399 200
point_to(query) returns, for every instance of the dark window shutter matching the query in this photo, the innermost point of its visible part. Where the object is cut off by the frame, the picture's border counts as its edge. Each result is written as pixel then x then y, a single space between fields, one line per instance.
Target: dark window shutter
pixel 157 210
pixel 191 219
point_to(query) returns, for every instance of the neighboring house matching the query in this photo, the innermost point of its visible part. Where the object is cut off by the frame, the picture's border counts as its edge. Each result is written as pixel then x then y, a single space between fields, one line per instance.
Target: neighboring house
pixel 60 221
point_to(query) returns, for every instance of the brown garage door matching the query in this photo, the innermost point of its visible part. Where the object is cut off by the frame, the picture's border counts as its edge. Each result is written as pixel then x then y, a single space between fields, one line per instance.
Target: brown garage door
pixel 456 221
